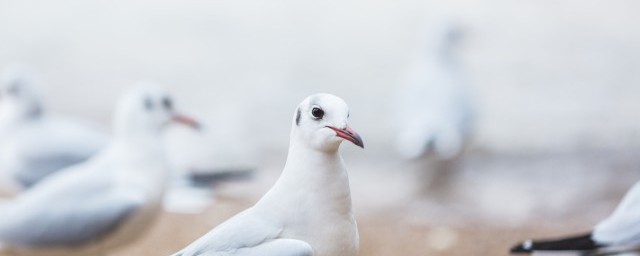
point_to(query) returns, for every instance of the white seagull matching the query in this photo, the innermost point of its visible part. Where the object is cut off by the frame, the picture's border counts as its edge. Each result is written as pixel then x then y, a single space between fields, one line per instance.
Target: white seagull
pixel 308 210
pixel 619 233
pixel 105 202
pixel 434 103
pixel 34 144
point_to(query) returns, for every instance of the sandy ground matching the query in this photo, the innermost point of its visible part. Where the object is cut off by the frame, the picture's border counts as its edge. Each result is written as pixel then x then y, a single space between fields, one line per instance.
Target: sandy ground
pixel 385 235
pixel 398 215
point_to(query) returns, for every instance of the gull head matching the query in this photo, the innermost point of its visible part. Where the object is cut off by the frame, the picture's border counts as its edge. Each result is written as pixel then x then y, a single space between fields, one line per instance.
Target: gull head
pixel 19 94
pixel 147 109
pixel 321 122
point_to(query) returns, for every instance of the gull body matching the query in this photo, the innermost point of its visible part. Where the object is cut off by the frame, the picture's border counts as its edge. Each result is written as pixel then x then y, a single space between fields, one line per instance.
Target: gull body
pixel 105 202
pixel 308 210
pixel 433 102
pixel 619 233
pixel 33 143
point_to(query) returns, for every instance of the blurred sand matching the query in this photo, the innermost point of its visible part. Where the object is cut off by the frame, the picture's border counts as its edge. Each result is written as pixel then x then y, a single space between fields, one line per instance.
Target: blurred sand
pixel 396 217
pixel 379 236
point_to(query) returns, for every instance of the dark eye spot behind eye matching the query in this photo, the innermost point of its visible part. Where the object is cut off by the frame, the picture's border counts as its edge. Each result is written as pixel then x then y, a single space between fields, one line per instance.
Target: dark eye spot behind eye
pixel 148 103
pixel 317 113
pixel 298 117
pixel 167 103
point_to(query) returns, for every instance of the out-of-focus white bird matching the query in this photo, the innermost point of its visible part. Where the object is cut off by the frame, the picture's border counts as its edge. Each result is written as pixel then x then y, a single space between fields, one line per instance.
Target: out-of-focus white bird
pixel 308 210
pixel 34 144
pixel 619 233
pixel 433 101
pixel 102 203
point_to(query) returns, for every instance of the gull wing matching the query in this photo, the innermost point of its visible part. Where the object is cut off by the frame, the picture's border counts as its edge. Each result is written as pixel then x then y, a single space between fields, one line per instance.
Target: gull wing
pixel 246 234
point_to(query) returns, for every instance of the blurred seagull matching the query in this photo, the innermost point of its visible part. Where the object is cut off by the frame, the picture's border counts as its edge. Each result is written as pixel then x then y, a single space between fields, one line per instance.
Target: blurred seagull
pixel 433 104
pixel 102 203
pixel 34 144
pixel 619 233
pixel 308 210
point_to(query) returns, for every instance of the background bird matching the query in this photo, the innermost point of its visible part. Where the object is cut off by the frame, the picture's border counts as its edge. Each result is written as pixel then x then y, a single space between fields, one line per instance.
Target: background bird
pixel 434 105
pixel 308 210
pixel 435 111
pixel 34 143
pixel 619 233
pixel 105 202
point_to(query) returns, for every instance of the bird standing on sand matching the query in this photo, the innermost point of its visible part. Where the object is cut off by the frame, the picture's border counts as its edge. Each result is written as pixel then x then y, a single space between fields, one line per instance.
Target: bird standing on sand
pixel 619 233
pixel 105 202
pixel 433 103
pixel 34 144
pixel 308 210
pixel 433 109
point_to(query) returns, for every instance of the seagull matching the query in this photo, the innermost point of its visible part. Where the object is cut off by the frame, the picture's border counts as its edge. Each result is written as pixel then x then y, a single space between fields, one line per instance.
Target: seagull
pixel 434 103
pixel 308 210
pixel 106 201
pixel 619 233
pixel 34 144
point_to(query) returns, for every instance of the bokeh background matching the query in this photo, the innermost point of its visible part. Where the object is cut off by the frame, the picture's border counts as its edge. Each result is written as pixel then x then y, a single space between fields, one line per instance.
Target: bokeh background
pixel 555 86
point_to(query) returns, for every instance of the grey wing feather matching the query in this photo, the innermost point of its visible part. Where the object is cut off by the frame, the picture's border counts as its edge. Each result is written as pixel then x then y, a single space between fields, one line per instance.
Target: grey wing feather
pixel 51 145
pixel 37 169
pixel 65 223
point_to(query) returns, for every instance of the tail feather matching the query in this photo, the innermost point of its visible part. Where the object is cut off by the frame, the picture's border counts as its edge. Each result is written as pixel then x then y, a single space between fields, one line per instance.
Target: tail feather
pixel 583 242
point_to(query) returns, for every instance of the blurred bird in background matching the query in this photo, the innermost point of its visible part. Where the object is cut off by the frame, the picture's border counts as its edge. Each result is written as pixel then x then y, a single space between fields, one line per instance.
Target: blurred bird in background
pixel 615 235
pixel 434 106
pixel 33 142
pixel 105 202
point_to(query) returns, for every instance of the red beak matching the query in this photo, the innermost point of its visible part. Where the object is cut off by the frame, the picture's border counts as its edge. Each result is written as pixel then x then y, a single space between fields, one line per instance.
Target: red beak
pixel 188 121
pixel 348 134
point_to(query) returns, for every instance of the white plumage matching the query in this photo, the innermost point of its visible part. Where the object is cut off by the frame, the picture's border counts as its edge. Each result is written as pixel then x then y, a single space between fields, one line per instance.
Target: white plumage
pixel 102 203
pixel 33 143
pixel 617 234
pixel 623 226
pixel 308 210
pixel 434 106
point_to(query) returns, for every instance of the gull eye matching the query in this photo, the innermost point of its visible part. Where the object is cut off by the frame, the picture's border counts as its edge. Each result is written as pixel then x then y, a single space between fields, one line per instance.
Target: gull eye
pixel 167 103
pixel 317 113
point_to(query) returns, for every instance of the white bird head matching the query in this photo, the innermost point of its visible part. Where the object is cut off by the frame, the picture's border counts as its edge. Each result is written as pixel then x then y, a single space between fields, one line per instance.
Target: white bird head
pixel 321 122
pixel 147 109
pixel 19 94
